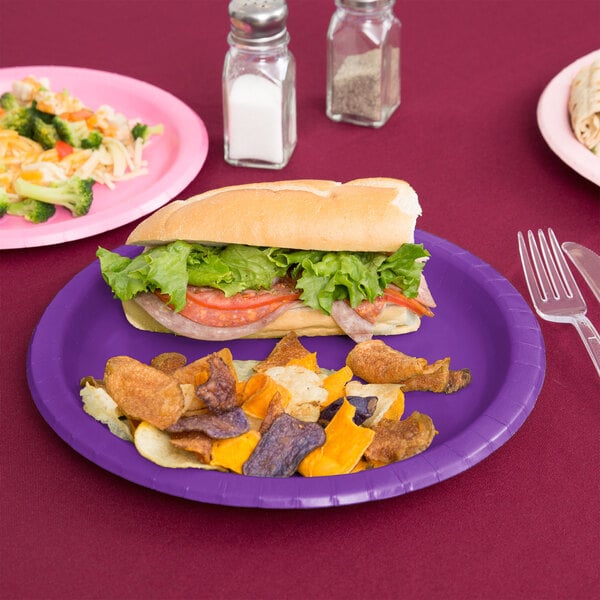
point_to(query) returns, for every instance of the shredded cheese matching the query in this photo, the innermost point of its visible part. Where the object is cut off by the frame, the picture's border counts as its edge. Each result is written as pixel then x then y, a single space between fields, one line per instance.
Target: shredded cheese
pixel 119 157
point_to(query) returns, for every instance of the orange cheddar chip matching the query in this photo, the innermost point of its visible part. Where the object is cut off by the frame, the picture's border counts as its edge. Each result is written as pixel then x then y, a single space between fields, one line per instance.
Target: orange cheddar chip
pixel 308 361
pixel 335 384
pixel 396 409
pixel 257 393
pixel 232 453
pixel 345 444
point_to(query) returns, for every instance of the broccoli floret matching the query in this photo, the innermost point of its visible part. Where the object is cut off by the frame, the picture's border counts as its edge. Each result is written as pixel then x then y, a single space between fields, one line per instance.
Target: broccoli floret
pixel 141 130
pixel 31 210
pixel 92 141
pixel 75 194
pixel 44 133
pixel 4 202
pixel 19 120
pixel 77 133
pixel 36 112
pixel 8 101
pixel 70 132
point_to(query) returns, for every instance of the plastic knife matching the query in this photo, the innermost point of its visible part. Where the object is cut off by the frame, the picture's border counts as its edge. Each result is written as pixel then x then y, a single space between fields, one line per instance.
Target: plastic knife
pixel 588 264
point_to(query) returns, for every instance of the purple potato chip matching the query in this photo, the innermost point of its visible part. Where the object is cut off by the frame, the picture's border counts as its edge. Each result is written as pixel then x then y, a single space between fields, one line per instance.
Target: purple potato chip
pixel 282 448
pixel 365 407
pixel 219 427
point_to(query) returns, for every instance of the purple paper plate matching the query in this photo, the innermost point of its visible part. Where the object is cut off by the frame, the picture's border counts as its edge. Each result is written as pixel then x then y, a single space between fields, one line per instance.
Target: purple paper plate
pixel 481 322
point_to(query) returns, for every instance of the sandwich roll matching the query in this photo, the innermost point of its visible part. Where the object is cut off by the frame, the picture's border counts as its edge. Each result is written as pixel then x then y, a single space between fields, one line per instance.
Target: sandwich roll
pixel 253 261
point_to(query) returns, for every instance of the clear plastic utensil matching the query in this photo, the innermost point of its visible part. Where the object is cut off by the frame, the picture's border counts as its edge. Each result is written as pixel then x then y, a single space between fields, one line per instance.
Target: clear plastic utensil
pixel 553 290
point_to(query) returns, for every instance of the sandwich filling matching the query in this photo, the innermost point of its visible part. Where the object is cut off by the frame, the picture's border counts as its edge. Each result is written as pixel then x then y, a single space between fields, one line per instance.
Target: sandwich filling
pixel 236 290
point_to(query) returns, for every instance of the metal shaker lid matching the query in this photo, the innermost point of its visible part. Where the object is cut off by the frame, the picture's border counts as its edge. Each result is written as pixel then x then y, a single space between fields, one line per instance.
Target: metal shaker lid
pixel 365 4
pixel 258 20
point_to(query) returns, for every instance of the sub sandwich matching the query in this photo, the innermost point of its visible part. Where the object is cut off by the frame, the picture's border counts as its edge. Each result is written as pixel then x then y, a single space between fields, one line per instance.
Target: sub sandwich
pixel 260 260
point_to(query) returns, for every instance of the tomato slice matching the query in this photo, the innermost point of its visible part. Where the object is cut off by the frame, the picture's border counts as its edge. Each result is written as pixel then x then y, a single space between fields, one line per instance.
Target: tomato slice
pixel 209 306
pixel 213 298
pixel 397 297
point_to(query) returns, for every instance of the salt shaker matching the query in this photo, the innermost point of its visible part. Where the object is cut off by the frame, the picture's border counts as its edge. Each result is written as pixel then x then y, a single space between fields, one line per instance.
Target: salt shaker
pixel 363 62
pixel 259 86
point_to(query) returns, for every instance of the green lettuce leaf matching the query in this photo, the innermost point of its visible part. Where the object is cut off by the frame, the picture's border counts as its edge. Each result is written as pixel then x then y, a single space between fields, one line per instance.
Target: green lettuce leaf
pixel 322 277
pixel 161 268
pixel 403 269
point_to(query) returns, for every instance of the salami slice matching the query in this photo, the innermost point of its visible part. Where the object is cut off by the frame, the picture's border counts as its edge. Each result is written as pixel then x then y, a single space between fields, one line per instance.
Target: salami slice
pixel 181 325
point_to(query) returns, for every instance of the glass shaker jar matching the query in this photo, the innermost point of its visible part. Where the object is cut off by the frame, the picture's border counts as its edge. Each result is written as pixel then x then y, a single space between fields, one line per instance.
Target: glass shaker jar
pixel 363 62
pixel 259 86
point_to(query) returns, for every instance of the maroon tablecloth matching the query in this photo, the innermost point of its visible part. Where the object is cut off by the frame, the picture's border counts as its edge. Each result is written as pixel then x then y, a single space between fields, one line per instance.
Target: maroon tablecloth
pixel 523 523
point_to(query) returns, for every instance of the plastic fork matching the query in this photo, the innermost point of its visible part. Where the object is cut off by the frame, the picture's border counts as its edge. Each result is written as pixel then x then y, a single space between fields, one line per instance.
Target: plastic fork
pixel 553 289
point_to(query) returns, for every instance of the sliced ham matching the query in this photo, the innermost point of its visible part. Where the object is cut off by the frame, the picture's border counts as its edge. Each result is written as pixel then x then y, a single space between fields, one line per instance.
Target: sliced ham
pixel 424 296
pixel 351 323
pixel 178 324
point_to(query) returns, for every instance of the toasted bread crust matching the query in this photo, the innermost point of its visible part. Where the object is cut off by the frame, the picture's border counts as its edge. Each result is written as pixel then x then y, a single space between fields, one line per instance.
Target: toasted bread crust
pixel 364 215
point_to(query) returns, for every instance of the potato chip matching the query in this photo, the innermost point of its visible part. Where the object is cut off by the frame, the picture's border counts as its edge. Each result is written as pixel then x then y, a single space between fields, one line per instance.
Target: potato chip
pixel 365 408
pixel 98 404
pixel 396 409
pixel 217 426
pixel 308 361
pixel 335 384
pixel 257 393
pixel 168 362
pixel 244 369
pixel 398 440
pixel 306 389
pixel 219 392
pixel 288 348
pixel 155 445
pixel 284 445
pixel 143 392
pixel 197 373
pixel 386 393
pixel 194 441
pixel 275 409
pixel 233 453
pixel 376 362
pixel 345 444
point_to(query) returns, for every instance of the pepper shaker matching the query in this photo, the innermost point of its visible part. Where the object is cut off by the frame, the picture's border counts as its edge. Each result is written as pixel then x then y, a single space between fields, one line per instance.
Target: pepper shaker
pixel 363 62
pixel 259 86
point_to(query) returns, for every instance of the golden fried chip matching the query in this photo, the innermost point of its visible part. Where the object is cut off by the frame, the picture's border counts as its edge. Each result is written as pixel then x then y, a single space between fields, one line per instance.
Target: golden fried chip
pixel 397 440
pixel 168 362
pixel 274 409
pixel 156 446
pixel 198 371
pixel 194 441
pixel 287 349
pixel 143 392
pixel 98 404
pixel 376 362
pixel 438 377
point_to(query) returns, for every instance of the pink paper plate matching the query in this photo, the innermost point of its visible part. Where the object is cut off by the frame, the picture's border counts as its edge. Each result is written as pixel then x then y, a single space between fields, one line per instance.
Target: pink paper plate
pixel 555 126
pixel 481 322
pixel 174 158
